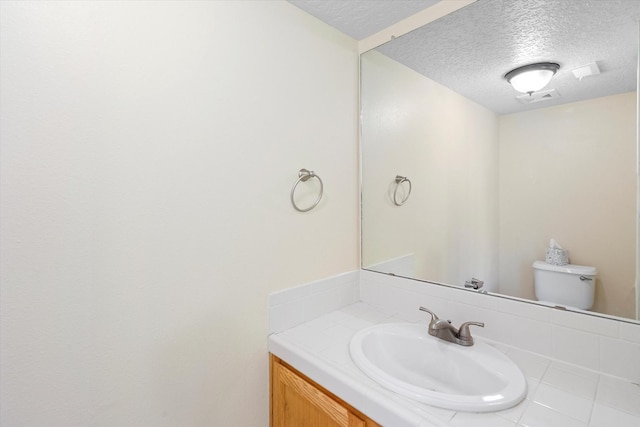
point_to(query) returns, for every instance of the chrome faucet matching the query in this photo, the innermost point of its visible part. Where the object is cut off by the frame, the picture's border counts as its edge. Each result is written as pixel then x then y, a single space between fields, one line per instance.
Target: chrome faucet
pixel 474 283
pixel 444 330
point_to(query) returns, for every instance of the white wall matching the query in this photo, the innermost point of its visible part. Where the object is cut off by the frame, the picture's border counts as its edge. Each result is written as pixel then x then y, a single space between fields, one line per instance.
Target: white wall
pixel 569 172
pixel 148 151
pixel 447 146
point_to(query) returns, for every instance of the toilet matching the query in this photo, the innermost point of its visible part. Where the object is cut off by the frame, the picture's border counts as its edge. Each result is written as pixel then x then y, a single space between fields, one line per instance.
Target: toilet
pixel 571 286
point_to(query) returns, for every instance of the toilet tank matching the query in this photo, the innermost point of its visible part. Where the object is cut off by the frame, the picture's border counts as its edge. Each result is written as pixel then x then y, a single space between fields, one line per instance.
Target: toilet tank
pixel 567 285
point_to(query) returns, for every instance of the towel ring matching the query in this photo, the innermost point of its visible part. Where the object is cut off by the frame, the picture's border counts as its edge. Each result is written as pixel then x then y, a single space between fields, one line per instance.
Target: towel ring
pixel 399 181
pixel 303 176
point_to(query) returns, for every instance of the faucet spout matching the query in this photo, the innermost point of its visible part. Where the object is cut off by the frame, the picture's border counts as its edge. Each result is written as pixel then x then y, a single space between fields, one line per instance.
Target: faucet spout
pixel 443 329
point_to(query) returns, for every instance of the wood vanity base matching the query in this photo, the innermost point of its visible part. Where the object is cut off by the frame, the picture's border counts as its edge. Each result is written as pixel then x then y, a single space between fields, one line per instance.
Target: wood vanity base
pixel 297 401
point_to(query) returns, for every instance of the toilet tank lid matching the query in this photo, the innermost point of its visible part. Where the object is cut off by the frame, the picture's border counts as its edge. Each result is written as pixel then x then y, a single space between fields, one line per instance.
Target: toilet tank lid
pixel 568 268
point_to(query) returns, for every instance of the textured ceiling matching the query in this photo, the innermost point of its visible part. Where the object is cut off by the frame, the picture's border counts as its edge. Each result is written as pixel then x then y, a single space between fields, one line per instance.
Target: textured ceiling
pixel 471 49
pixel 362 18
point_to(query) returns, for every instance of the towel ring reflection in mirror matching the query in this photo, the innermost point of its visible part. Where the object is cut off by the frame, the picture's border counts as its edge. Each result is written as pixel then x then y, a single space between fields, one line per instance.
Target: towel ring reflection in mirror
pixel 399 181
pixel 303 176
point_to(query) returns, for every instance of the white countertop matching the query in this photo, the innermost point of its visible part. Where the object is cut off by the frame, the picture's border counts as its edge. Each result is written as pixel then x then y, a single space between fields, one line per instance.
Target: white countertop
pixel 559 394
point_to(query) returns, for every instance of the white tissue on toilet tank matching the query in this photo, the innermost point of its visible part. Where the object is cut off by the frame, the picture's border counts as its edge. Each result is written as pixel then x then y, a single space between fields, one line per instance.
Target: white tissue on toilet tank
pixel 555 255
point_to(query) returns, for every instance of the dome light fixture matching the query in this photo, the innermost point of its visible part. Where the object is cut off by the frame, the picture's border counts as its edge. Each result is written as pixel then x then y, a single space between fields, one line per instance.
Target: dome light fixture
pixel 533 77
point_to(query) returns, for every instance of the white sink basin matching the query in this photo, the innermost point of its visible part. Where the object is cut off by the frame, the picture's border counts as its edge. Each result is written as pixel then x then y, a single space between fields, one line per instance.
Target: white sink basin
pixel 404 358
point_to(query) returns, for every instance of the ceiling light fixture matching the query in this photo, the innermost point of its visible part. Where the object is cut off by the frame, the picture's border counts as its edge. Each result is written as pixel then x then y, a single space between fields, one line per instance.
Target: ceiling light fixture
pixel 532 77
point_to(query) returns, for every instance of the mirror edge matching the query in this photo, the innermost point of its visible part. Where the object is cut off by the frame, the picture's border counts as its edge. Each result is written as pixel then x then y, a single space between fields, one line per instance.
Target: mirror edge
pixel 512 298
pixel 430 14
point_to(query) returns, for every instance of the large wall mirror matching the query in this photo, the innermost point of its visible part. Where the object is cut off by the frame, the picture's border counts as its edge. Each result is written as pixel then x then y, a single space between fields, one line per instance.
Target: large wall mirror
pixel 495 174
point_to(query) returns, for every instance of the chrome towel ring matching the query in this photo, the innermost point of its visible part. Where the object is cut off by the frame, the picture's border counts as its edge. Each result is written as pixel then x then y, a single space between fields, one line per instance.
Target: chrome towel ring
pixel 303 176
pixel 399 181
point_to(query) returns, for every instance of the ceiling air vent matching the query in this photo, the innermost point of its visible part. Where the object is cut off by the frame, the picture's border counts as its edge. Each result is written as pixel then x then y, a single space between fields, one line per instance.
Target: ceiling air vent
pixel 543 95
pixel 586 71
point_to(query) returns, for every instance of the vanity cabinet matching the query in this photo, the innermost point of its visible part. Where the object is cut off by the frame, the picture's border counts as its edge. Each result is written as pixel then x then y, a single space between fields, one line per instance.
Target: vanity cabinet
pixel 297 401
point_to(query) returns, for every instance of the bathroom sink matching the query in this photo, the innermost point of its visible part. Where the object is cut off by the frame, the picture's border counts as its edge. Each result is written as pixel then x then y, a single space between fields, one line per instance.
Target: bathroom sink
pixel 404 358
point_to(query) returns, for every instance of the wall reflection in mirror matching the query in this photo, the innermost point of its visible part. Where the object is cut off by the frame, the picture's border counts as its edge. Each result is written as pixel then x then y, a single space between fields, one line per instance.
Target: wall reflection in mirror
pixel 496 174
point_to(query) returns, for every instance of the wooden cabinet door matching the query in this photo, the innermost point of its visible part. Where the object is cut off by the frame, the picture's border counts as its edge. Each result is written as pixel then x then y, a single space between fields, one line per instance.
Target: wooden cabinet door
pixel 298 403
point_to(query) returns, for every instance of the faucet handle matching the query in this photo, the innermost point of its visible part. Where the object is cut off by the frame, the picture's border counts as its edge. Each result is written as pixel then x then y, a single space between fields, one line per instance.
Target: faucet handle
pixel 464 334
pixel 434 316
